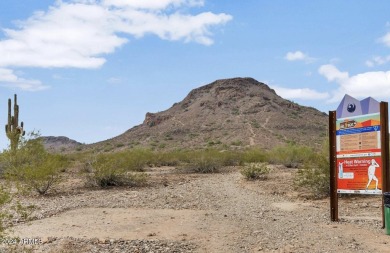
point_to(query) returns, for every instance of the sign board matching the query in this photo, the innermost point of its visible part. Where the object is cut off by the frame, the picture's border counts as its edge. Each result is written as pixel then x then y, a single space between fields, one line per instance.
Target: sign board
pixel 358 150
pixel 358 147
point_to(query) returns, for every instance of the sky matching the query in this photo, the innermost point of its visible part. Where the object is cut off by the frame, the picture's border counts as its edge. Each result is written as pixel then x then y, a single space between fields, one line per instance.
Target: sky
pixel 92 69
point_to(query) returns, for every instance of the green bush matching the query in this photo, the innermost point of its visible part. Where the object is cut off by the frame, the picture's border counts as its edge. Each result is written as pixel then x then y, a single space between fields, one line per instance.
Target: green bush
pixel 206 164
pixel 107 170
pixel 7 204
pixel 290 155
pixel 32 167
pixel 137 159
pixel 236 143
pixel 313 176
pixel 24 211
pixel 172 158
pixel 204 161
pixel 229 158
pixel 255 171
pixel 44 174
pixel 129 160
pixel 254 155
pixel 5 198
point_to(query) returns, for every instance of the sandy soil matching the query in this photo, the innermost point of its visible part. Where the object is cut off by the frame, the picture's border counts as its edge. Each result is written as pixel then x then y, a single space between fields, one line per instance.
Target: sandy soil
pixel 181 212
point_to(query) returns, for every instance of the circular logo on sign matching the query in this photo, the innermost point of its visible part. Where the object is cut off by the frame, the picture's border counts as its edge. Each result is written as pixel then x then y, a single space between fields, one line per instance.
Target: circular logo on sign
pixel 351 108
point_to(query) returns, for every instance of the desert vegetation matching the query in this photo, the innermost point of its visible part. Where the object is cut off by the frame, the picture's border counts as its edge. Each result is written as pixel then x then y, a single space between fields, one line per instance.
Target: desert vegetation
pixel 119 169
pixel 36 169
pixel 255 171
pixel 33 168
pixel 28 169
pixel 126 167
pixel 35 172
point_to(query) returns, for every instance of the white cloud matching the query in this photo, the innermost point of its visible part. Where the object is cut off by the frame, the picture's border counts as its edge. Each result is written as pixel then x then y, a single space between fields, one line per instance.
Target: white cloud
pixel 386 39
pixel 370 63
pixel 68 35
pixel 368 84
pixel 304 93
pixel 375 84
pixel 152 4
pixel 378 60
pixel 78 33
pixel 10 80
pixel 332 73
pixel 298 56
pixel 173 27
pixel 295 56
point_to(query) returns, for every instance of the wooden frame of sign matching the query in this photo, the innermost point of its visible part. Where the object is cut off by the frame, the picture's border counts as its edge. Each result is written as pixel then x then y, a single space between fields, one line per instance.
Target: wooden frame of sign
pixel 334 144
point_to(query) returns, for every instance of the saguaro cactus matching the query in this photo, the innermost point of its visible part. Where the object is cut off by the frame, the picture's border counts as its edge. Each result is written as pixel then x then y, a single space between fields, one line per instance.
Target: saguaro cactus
pixel 12 129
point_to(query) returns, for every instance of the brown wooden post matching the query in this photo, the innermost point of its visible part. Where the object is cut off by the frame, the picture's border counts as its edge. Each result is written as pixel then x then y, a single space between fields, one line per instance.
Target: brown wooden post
pixel 384 114
pixel 334 208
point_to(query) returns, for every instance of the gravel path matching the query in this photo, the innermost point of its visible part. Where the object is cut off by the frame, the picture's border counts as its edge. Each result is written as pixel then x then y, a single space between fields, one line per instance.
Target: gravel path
pixel 204 213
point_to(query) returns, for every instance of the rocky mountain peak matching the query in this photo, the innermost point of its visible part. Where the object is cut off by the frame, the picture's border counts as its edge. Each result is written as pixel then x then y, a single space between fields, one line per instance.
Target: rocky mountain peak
pixel 59 143
pixel 239 85
pixel 227 113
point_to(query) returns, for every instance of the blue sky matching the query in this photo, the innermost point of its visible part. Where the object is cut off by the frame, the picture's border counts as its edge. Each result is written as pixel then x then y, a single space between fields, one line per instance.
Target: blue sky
pixel 91 69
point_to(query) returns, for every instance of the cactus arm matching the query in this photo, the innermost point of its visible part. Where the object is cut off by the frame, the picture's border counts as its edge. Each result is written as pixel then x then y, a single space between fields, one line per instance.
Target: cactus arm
pixel 9 112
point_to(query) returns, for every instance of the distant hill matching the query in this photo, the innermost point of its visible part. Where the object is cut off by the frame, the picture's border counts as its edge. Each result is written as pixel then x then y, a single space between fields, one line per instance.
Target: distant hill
pixel 59 143
pixel 227 114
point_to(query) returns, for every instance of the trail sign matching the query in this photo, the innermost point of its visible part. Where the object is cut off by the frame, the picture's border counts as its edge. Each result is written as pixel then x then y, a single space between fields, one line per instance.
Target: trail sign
pixel 359 149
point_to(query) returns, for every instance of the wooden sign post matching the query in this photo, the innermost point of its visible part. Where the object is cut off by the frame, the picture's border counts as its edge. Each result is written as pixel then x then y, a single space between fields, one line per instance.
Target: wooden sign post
pixel 358 150
pixel 334 206
pixel 384 111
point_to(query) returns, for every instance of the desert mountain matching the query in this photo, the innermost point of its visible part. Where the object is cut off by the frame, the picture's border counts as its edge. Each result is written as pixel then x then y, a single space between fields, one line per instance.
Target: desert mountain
pixel 228 113
pixel 59 143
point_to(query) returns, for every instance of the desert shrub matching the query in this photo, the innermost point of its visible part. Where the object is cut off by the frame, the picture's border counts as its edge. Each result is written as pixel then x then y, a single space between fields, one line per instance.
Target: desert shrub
pixel 236 143
pixel 107 170
pixel 186 156
pixel 24 212
pixel 204 161
pixel 172 158
pixel 313 175
pixel 135 160
pixel 44 174
pixel 229 158
pixel 205 164
pixel 254 155
pixel 5 198
pixel 6 204
pixel 290 155
pixel 214 156
pixel 255 171
pixel 130 160
pixel 32 167
pixel 119 145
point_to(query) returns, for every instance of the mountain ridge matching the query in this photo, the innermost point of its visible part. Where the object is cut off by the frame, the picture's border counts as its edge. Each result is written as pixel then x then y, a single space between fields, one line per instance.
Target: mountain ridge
pixel 59 143
pixel 227 113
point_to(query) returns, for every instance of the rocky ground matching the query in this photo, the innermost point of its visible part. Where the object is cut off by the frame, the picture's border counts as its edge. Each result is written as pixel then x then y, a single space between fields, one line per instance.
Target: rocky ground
pixel 181 212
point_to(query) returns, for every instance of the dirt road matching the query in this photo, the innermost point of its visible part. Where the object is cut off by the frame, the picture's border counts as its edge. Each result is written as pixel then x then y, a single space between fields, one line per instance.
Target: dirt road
pixel 202 213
